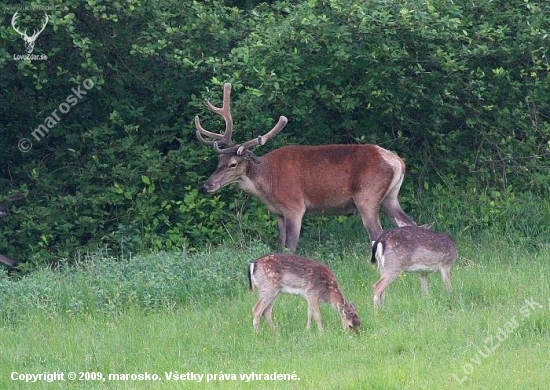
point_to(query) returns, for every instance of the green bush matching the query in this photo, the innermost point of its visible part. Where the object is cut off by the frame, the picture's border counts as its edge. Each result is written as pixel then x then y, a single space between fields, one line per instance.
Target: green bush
pixel 459 90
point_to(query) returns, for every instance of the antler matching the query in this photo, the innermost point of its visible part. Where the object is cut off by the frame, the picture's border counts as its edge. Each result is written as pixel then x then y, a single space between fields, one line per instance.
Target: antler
pixel 262 139
pixel 225 112
pixel 225 139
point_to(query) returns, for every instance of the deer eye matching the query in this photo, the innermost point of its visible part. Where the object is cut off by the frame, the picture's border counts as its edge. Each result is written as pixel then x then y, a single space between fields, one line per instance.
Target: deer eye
pixel 232 165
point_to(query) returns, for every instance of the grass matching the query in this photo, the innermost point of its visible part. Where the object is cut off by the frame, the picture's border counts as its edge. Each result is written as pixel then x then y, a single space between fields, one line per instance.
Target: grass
pixel 179 313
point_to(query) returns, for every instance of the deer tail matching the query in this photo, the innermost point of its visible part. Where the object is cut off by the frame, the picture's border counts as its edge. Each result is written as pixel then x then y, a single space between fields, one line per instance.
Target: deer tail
pixel 251 283
pixel 377 252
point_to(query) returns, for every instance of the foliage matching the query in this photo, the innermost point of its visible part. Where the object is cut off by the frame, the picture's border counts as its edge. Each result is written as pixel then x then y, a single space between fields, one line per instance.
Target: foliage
pixel 459 89
pixel 103 284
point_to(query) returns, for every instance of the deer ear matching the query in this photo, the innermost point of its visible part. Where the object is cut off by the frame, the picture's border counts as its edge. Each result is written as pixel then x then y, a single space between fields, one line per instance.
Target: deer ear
pixel 248 155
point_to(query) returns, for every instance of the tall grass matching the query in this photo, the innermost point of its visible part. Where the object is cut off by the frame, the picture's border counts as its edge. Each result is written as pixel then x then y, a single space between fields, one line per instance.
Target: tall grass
pixel 185 312
pixel 97 284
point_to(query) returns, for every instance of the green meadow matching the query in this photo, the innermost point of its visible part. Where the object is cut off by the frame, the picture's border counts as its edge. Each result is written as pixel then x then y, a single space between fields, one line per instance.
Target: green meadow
pixel 183 320
pixel 131 278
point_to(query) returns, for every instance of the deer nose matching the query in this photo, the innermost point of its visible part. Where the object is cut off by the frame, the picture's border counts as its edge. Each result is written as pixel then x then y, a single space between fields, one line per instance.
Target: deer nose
pixel 208 187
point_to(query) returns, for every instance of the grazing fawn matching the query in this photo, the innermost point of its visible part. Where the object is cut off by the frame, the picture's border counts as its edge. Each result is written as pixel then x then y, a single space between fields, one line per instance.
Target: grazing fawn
pixel 275 273
pixel 412 249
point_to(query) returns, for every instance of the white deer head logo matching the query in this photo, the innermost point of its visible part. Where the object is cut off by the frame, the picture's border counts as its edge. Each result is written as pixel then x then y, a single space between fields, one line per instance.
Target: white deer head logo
pixel 29 41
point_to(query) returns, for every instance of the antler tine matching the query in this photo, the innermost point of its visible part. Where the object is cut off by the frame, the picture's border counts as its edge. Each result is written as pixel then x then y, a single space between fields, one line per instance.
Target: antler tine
pixel 225 112
pixel 200 131
pixel 262 139
pixel 230 149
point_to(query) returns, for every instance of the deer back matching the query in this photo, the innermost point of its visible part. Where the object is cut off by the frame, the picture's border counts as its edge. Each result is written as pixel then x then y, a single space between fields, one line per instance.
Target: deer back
pixel 409 245
pixel 324 177
pixel 295 275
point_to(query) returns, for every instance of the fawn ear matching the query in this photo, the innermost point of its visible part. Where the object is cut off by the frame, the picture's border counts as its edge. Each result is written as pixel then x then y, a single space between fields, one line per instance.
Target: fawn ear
pixel 341 308
pixel 248 155
pixel 351 305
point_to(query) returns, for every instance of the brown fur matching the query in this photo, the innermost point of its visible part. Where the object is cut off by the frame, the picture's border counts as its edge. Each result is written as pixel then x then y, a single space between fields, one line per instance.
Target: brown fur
pixel 412 249
pixel 331 179
pixel 314 281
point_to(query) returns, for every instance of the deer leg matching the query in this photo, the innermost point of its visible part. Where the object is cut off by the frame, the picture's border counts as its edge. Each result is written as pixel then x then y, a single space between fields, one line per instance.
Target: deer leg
pixel 293 225
pixel 263 308
pixel 257 312
pixel 391 207
pixel 268 315
pixel 369 216
pixel 7 261
pixel 394 212
pixel 282 232
pixel 380 286
pixel 313 309
pixel 424 282
pixel 446 276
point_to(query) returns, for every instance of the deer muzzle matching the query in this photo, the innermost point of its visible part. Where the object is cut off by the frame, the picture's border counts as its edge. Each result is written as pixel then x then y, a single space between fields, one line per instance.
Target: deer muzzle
pixel 210 187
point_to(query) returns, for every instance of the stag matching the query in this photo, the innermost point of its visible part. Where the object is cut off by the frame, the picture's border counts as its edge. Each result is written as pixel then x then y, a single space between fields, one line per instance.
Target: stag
pixel 296 180
pixel 29 41
pixel 295 275
pixel 412 249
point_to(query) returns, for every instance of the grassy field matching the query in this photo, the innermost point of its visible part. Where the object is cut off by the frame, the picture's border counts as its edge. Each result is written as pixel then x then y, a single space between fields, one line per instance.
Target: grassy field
pixel 168 315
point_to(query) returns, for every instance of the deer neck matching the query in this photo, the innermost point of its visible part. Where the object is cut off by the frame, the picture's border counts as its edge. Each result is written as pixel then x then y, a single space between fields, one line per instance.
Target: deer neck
pixel 336 299
pixel 256 180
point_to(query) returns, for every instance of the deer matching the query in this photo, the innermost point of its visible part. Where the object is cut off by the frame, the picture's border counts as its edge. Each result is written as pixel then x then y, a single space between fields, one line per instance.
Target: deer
pixel 412 249
pixel 3 212
pixel 29 41
pixel 287 273
pixel 6 260
pixel 293 181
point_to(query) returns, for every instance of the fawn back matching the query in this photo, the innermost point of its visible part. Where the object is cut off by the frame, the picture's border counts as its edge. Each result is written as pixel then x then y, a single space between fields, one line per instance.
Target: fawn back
pixel 412 249
pixel 276 273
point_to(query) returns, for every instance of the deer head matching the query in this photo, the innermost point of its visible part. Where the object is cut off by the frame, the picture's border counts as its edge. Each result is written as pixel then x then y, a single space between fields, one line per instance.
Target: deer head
pixel 233 158
pixel 348 315
pixel 29 41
